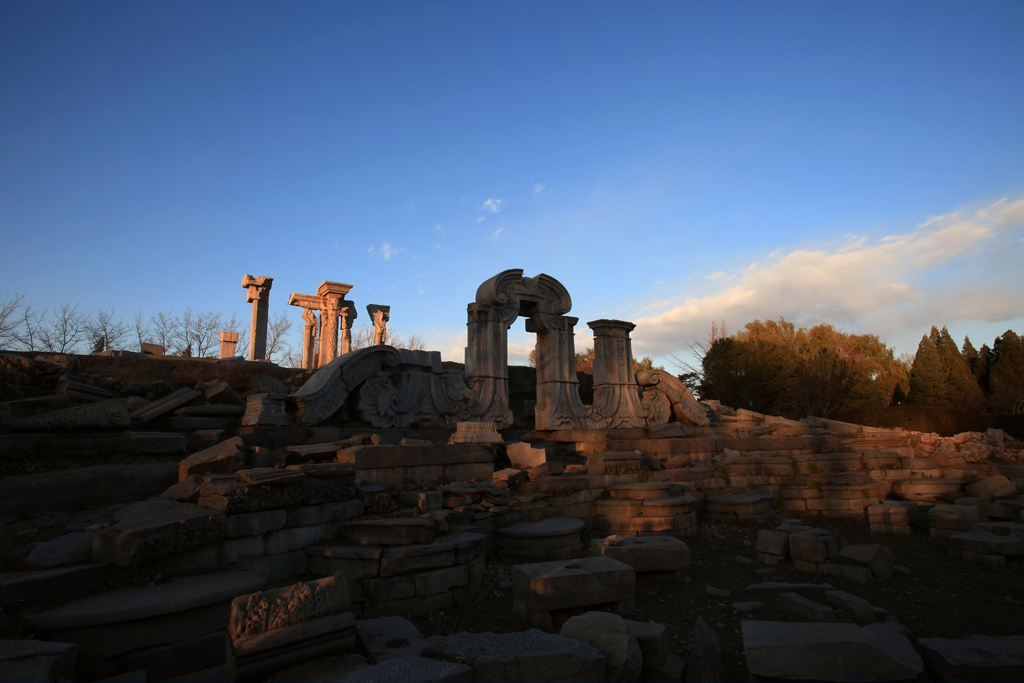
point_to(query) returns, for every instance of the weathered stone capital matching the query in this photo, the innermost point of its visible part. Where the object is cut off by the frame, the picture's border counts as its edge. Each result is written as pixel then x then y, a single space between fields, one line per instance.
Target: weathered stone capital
pixel 259 287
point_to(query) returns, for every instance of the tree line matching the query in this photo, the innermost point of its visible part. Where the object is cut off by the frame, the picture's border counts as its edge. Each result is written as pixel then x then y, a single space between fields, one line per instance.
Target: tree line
pixel 774 367
pixel 66 329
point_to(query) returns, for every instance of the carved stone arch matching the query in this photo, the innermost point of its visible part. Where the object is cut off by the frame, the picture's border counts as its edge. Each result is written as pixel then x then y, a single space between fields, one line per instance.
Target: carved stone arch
pixel 325 392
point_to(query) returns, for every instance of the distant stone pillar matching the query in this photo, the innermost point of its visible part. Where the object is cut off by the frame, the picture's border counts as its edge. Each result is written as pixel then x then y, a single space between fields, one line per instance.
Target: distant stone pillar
pixel 331 294
pixel 259 296
pixel 348 314
pixel 228 341
pixel 379 315
pixel 310 304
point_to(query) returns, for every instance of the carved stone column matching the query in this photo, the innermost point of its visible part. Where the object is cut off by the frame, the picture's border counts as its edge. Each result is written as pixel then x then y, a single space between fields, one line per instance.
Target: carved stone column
pixel 309 304
pixel 379 316
pixel 228 341
pixel 616 393
pixel 331 296
pixel 487 361
pixel 258 294
pixel 348 314
pixel 558 395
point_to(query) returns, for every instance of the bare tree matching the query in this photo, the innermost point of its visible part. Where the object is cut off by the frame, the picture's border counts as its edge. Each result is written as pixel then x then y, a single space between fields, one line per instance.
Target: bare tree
pixel 106 333
pixel 28 334
pixel 62 329
pixel 10 320
pixel 692 373
pixel 277 329
pixel 362 337
pixel 199 332
pixel 166 329
pixel 140 326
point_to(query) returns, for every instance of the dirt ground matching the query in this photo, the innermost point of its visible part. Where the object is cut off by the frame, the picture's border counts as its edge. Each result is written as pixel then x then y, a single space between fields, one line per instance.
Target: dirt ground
pixel 942 597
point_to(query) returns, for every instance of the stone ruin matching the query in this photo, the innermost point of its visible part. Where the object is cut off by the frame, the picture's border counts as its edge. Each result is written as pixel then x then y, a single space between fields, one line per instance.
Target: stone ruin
pixel 260 523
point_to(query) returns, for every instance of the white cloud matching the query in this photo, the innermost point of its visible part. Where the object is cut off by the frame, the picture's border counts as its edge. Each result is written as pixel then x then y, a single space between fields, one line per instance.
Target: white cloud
pixel 385 251
pixel 537 189
pixel 954 267
pixel 493 205
pixel 494 235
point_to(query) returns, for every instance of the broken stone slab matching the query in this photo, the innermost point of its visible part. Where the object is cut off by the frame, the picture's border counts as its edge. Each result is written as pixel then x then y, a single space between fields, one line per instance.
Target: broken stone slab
pixel 409 559
pixel 815 545
pixel 524 656
pixel 613 462
pixel 34 660
pixel 670 672
pixel 388 637
pixel 745 504
pixel 987 543
pixel 156 528
pixel 705 655
pixel 871 555
pixel 106 414
pixel 66 549
pixel 646 490
pixel 751 606
pixel 264 611
pixel 162 406
pixel 227 456
pixel 976 658
pixel 646 553
pixel 773 542
pixel 219 392
pixel 128 604
pixel 850 572
pixel 827 652
pixel 805 607
pixel 18 589
pixel 266 410
pixel 270 476
pixel 609 633
pixel 992 487
pixel 956 517
pixel 524 456
pixel 412 669
pixel 857 607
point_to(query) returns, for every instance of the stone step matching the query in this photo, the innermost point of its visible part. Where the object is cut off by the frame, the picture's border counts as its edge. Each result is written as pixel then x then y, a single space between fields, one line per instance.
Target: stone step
pixel 551 539
pixel 403 531
pixel 644 490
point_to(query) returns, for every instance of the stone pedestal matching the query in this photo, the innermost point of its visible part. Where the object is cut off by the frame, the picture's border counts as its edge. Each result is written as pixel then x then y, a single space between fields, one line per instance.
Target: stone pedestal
pixel 258 294
pixel 228 341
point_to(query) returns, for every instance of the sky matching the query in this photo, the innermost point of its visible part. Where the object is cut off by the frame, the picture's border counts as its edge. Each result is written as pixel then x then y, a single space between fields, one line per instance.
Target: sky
pixel 859 164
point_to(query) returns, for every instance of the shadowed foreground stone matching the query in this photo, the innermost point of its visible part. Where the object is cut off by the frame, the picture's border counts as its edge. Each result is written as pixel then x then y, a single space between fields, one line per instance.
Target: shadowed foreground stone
pixel 705 655
pixel 412 670
pixel 828 652
pixel 976 658
pixel 525 656
pixel 610 634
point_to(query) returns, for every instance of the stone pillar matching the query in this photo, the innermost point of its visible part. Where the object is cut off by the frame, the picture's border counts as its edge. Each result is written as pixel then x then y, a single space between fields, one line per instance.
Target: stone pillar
pixel 331 296
pixel 309 304
pixel 558 396
pixel 228 341
pixel 616 392
pixel 379 315
pixel 258 294
pixel 348 314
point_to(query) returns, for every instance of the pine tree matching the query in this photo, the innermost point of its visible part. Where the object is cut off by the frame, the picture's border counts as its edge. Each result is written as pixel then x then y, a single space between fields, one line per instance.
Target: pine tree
pixel 927 377
pixel 962 390
pixel 981 368
pixel 1006 374
pixel 969 353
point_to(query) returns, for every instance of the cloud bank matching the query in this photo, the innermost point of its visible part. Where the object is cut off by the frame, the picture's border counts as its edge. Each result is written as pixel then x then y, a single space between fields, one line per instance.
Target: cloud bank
pixel 956 267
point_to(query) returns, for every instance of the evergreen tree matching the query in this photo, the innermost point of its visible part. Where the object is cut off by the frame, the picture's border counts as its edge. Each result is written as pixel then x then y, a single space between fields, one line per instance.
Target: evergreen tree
pixel 927 378
pixel 969 353
pixel 962 390
pixel 1006 374
pixel 981 367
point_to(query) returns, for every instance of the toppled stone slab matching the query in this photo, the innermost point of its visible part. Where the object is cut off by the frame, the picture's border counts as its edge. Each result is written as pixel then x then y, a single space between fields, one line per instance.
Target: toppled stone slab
pixel 128 604
pixel 524 656
pixel 827 652
pixel 609 633
pixel 871 555
pixel 66 549
pixel 987 543
pixel 976 658
pixel 162 406
pixel 227 456
pixel 992 487
pixel 857 607
pixel 522 455
pixel 156 528
pixel 805 607
pixel 270 476
pixel 269 610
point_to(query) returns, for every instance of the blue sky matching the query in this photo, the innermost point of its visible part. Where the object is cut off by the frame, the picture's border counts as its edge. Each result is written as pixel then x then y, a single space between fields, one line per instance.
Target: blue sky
pixel 855 163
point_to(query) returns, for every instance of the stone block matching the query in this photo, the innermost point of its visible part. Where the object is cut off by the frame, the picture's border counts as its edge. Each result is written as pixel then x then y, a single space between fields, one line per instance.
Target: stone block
pixel 992 487
pixel 741 504
pixel 827 652
pixel 156 528
pixel 410 559
pixel 401 531
pixel 670 672
pixel 805 607
pixel 985 542
pixel 981 558
pixel 849 572
pixel 33 660
pixel 269 610
pixel 524 656
pixel 546 586
pixel 654 642
pixel 166 662
pixel 277 567
pixel 253 523
pixel 773 542
pixel 610 634
pixel 288 540
pixel 955 517
pixel 234 549
pixel 383 589
pixel 613 462
pixel 871 555
pixel 440 580
pixel 388 637
pixel 816 545
pixel 423 501
pixel 324 514
pixel 705 654
pixel 646 553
